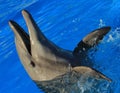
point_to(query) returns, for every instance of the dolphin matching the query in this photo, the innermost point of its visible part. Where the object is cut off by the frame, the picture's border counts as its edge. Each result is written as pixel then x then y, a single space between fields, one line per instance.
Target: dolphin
pixel 42 59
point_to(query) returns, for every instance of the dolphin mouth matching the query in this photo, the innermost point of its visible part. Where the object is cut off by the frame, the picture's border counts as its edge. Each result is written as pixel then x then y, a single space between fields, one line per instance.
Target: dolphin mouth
pixel 34 32
pixel 24 38
pixel 21 34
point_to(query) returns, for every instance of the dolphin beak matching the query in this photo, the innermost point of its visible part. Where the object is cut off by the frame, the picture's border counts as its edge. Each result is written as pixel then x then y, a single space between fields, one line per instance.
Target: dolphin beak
pixel 34 31
pixel 37 39
pixel 21 35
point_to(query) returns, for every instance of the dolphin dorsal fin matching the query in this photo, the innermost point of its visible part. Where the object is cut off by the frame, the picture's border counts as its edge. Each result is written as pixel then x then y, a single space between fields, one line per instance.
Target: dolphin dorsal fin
pixel 91 40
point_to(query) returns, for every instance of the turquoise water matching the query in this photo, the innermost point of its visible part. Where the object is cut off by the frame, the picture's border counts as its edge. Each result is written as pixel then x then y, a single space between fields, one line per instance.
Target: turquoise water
pixel 65 22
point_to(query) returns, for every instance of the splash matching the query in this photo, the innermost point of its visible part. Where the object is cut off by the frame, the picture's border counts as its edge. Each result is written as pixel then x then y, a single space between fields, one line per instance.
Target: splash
pixel 114 35
pixel 73 82
pixel 102 23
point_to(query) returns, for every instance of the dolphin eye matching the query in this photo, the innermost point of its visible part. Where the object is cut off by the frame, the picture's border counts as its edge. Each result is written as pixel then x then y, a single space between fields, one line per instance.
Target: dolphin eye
pixel 32 63
pixel 86 41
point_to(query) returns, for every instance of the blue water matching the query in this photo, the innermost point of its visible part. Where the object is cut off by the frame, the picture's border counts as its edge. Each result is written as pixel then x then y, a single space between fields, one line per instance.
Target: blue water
pixel 65 22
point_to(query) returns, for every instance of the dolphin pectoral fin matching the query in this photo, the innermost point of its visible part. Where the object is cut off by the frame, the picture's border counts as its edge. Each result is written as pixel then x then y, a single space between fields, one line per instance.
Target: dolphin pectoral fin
pixel 91 40
pixel 90 72
pixel 79 78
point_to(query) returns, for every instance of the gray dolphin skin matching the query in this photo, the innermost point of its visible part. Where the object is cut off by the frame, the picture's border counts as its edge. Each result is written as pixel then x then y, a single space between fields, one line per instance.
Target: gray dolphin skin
pixel 44 61
pixel 79 80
